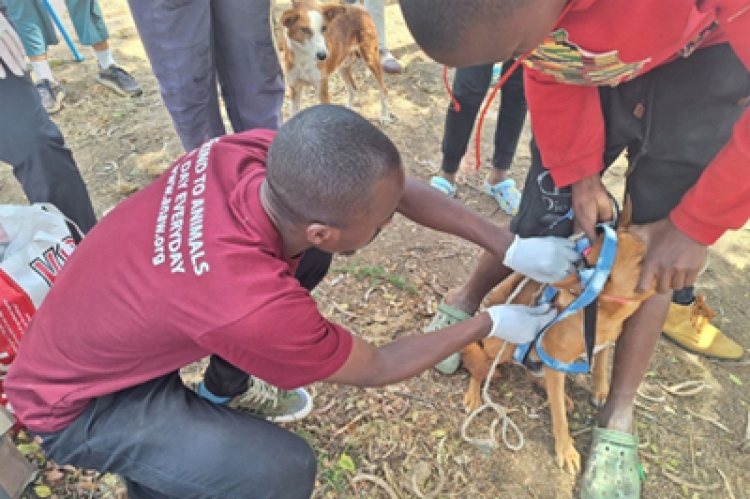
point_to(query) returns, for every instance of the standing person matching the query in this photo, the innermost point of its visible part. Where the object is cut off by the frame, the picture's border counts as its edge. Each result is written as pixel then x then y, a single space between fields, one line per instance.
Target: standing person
pixel 37 33
pixel 232 224
pixel 666 81
pixel 469 89
pixel 31 143
pixel 194 44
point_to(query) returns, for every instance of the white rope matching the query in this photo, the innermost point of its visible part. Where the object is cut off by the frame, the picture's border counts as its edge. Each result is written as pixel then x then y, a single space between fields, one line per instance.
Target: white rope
pixel 491 442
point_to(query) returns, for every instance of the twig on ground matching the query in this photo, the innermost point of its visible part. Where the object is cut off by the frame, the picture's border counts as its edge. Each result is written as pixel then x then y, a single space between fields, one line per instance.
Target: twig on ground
pixel 377 481
pixel 745 446
pixel 726 484
pixel 356 419
pixel 685 389
pixel 694 486
pixel 709 419
pixel 342 310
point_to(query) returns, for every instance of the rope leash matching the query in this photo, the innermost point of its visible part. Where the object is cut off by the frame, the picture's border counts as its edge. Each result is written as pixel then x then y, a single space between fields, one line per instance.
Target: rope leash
pixel 508 423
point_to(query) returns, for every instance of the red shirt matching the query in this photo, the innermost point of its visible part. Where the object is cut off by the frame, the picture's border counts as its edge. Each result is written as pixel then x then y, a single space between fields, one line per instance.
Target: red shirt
pixel 606 42
pixel 192 265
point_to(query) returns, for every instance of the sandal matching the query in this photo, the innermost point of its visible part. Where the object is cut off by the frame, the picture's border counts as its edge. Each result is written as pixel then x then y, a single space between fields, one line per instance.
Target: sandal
pixel 443 186
pixel 613 469
pixel 506 194
pixel 444 317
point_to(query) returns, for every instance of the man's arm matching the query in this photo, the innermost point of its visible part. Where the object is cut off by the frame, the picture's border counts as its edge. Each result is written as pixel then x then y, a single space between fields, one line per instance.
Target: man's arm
pixel 429 207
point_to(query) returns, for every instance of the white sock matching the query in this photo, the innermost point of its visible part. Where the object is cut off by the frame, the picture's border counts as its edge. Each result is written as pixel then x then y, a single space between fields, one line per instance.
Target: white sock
pixel 105 58
pixel 43 71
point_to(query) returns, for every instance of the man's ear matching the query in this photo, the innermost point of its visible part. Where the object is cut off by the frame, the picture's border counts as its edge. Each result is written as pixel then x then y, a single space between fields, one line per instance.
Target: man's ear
pixel 332 10
pixel 320 234
pixel 289 17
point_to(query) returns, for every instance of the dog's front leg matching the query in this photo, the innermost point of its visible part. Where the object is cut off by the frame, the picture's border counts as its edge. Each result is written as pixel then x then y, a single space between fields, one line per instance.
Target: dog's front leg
pixel 600 372
pixel 566 455
pixel 321 89
pixel 295 90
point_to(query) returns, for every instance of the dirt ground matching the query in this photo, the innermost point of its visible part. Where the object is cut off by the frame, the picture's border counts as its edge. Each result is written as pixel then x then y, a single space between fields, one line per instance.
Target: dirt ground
pixel 405 440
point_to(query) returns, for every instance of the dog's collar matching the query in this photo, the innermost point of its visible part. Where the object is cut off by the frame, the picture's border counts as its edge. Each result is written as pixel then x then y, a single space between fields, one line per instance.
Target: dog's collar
pixel 592 281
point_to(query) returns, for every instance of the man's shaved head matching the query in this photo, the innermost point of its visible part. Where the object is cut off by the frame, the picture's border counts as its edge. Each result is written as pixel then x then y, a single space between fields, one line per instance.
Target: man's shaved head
pixel 473 32
pixel 323 163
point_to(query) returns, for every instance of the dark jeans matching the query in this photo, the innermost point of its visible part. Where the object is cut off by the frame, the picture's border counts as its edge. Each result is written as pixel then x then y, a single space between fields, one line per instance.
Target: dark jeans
pixel 470 85
pixel 689 108
pixel 33 145
pixel 166 441
pixel 225 380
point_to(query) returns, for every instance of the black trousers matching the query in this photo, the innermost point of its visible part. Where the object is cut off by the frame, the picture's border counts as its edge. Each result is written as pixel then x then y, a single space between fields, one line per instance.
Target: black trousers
pixel 470 85
pixel 33 145
pixel 225 380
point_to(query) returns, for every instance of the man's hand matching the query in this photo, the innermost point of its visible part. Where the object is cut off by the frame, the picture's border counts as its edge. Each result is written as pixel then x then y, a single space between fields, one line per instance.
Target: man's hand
pixel 11 49
pixel 672 259
pixel 591 204
pixel 543 259
pixel 519 323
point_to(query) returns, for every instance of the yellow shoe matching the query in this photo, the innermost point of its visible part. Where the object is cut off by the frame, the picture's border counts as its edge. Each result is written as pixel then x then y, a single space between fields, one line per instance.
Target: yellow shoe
pixel 690 327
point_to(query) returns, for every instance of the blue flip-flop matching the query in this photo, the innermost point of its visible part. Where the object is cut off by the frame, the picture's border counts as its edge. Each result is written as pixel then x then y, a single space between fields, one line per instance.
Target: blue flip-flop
pixel 443 186
pixel 506 194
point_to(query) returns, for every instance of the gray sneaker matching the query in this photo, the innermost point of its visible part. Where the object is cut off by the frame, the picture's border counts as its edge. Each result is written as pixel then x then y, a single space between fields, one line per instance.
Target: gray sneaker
pixel 272 403
pixel 263 400
pixel 119 80
pixel 51 95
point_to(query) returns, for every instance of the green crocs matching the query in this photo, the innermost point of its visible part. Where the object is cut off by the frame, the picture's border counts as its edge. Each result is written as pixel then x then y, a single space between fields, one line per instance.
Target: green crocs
pixel 613 470
pixel 444 317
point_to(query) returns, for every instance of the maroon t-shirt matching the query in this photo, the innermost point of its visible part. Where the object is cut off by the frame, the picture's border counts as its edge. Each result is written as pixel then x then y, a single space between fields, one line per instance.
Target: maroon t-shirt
pixel 192 265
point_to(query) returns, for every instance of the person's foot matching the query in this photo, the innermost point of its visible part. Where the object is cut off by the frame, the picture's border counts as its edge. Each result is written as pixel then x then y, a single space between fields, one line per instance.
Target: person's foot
pixel 389 63
pixel 51 95
pixel 119 80
pixel 265 401
pixel 689 326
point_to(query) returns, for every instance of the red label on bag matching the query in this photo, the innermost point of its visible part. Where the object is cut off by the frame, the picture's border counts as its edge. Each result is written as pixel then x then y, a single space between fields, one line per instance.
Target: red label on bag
pixel 16 310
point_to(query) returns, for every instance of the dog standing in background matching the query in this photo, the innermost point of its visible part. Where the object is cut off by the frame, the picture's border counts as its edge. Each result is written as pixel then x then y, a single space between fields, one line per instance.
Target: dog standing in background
pixel 317 40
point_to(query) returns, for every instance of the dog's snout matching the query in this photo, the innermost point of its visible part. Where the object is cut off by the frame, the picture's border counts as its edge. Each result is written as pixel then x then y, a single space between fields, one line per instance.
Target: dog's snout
pixel 322 55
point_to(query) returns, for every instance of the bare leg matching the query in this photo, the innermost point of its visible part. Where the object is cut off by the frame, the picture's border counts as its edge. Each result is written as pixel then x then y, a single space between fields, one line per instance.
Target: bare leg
pixel 632 356
pixel 488 274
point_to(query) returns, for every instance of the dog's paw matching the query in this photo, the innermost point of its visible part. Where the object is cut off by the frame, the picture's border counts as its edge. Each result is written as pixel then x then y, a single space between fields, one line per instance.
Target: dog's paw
pixel 567 457
pixel 599 397
pixel 385 119
pixel 472 401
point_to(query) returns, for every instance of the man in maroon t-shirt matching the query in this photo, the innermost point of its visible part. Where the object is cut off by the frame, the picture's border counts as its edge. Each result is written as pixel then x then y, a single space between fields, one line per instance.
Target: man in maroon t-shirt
pixel 217 257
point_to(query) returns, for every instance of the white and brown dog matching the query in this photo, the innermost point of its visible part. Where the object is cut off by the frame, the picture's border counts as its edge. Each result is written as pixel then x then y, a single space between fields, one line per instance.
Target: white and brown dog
pixel 319 39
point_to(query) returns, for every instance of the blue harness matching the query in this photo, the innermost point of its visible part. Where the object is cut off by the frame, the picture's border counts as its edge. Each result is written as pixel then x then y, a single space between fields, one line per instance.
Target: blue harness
pixel 592 281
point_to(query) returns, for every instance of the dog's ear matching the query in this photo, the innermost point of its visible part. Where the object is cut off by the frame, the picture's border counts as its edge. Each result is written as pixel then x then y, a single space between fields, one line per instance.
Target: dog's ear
pixel 289 17
pixel 330 11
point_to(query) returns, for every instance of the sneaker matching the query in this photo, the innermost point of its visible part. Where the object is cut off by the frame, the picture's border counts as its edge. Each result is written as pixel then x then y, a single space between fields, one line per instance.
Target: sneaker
pixel 51 94
pixel 266 401
pixel 389 63
pixel 119 80
pixel 689 326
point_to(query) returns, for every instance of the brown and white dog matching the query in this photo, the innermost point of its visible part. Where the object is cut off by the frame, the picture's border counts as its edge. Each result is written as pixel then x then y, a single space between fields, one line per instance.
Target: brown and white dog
pixel 319 39
pixel 564 340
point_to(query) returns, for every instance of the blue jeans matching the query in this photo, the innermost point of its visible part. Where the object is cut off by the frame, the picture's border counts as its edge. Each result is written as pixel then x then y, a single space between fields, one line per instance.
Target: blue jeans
pixel 166 441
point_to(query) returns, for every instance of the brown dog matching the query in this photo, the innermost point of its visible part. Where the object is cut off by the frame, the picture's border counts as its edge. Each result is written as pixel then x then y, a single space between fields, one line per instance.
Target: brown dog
pixel 317 40
pixel 564 341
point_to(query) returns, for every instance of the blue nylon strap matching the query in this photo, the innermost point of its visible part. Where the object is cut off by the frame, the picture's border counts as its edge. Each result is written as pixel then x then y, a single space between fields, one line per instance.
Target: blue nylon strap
pixel 592 281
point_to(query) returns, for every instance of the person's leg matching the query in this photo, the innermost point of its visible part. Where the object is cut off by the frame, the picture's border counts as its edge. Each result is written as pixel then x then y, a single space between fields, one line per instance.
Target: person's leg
pixel 510 121
pixel 36 31
pixel 248 67
pixel 89 24
pixel 376 9
pixel 469 89
pixel 224 381
pixel 511 117
pixel 177 37
pixel 33 145
pixel 684 127
pixel 168 442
